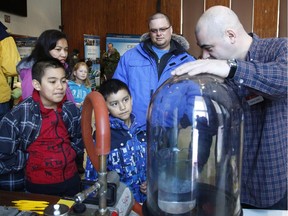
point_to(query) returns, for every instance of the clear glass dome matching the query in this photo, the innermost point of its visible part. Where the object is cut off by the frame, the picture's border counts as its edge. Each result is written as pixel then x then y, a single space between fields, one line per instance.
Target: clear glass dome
pixel 195 135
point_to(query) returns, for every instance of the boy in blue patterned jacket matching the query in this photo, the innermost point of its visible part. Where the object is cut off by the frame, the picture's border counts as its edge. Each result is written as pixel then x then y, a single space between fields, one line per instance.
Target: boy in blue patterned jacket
pixel 128 140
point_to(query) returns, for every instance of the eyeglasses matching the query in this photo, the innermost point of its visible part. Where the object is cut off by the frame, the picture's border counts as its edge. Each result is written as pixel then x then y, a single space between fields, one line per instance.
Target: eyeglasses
pixel 161 30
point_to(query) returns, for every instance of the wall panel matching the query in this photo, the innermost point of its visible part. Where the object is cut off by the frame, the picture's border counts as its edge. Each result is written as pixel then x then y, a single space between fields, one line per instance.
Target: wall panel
pixel 210 3
pixel 262 18
pixel 244 10
pixel 283 18
pixel 99 17
pixel 192 10
pixel 265 18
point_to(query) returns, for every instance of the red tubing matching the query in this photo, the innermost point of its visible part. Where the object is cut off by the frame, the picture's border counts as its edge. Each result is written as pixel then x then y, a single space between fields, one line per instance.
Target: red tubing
pixel 137 208
pixel 95 101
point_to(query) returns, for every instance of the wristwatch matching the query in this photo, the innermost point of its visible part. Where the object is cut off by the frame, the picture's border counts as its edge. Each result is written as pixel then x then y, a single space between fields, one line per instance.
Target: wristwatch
pixel 233 67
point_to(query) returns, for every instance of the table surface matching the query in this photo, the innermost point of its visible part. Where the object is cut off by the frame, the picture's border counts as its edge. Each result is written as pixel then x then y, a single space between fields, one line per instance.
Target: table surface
pixel 258 212
pixel 6 198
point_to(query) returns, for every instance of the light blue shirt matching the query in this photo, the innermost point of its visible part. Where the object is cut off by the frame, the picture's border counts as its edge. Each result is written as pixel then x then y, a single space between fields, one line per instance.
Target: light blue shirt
pixel 79 91
pixel 159 52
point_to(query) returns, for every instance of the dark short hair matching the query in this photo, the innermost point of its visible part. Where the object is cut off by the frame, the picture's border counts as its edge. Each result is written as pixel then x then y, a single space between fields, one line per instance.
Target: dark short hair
pixel 111 86
pixel 39 68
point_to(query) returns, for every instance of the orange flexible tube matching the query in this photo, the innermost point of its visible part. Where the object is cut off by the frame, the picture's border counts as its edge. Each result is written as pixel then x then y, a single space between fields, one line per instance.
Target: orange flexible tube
pixel 95 101
pixel 137 208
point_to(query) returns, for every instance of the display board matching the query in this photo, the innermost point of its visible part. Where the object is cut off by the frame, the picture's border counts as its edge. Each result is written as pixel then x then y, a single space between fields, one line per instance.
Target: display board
pixel 92 58
pixel 122 42
pixel 25 45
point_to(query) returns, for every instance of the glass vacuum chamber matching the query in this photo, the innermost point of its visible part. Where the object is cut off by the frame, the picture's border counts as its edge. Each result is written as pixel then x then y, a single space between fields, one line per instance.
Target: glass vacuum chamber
pixel 195 135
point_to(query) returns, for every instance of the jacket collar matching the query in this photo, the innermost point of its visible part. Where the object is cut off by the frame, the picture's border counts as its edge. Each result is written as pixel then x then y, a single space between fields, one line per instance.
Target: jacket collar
pixel 3 32
pixel 177 38
pixel 37 99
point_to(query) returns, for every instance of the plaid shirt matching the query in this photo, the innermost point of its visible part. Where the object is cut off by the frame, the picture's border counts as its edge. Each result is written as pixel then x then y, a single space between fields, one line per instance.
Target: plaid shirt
pixel 19 128
pixel 264 73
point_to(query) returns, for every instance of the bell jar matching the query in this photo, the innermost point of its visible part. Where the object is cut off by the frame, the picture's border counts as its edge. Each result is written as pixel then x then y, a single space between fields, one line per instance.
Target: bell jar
pixel 195 135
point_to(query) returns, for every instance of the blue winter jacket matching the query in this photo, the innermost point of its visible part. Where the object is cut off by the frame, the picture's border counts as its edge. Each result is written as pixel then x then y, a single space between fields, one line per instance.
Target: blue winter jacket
pixel 143 72
pixel 127 157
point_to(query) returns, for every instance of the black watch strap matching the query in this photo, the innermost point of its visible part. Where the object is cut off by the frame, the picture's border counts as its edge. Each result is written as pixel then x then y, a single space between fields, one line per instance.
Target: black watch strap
pixel 233 67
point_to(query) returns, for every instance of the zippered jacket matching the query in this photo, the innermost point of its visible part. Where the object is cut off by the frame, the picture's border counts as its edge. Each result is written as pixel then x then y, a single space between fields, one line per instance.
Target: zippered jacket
pixel 21 127
pixel 9 56
pixel 143 72
pixel 127 157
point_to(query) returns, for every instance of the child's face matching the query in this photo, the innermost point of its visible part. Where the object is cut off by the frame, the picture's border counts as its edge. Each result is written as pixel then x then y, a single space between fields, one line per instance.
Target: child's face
pixel 52 88
pixel 120 105
pixel 81 73
pixel 60 51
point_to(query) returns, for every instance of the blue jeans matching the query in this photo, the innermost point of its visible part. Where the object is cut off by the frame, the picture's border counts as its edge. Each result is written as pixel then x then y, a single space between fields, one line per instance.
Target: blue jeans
pixel 4 108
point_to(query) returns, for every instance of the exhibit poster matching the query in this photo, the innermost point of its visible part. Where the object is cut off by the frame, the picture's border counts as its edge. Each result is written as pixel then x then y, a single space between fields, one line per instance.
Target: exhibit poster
pixel 25 45
pixel 92 58
pixel 122 42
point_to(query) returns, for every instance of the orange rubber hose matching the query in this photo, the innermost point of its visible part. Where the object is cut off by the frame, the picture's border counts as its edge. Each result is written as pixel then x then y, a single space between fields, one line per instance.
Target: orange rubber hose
pixel 95 101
